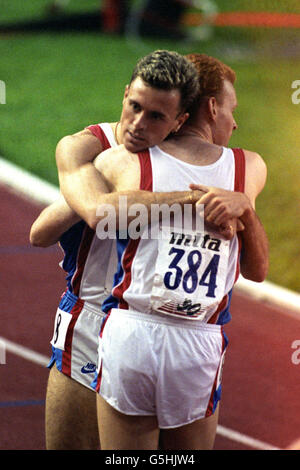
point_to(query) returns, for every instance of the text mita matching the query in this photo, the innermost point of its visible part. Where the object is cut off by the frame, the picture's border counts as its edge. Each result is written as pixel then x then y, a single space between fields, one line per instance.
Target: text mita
pixel 198 240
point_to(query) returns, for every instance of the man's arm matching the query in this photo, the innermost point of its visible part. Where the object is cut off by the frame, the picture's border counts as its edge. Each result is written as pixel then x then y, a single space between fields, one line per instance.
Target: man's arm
pixel 222 206
pixel 53 221
pixel 120 171
pixel 87 186
pixel 84 186
pixel 255 250
pixel 80 182
pixel 57 218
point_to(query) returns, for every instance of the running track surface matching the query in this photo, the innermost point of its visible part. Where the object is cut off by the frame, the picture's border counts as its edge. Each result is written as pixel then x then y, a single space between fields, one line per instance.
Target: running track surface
pixel 261 385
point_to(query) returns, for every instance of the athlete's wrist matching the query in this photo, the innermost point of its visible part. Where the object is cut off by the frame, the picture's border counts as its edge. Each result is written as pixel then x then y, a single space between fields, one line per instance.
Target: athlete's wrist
pixel 195 195
pixel 248 217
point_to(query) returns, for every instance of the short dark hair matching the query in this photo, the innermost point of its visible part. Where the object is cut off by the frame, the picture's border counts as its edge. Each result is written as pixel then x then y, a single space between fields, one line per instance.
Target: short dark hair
pixel 169 70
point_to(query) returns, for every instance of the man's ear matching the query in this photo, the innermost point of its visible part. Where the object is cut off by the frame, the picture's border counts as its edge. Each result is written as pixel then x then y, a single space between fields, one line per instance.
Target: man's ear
pixel 126 92
pixel 181 120
pixel 212 107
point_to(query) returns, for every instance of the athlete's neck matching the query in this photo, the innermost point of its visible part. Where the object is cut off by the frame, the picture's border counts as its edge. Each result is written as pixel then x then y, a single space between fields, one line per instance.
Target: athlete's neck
pixel 191 131
pixel 116 134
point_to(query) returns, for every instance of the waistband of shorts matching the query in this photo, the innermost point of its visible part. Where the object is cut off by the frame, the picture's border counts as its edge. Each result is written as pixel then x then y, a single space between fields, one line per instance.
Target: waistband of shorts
pixel 155 317
pixel 82 303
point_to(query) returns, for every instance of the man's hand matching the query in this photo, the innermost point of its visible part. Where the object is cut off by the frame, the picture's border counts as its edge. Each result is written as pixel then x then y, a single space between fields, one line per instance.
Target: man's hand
pixel 222 209
pixel 221 205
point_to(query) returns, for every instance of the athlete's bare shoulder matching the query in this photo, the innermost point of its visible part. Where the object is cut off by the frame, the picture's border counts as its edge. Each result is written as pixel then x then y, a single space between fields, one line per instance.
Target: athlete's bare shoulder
pixel 253 157
pixel 255 162
pixel 116 155
pixel 83 137
pixel 119 166
pixel 77 149
pixel 256 174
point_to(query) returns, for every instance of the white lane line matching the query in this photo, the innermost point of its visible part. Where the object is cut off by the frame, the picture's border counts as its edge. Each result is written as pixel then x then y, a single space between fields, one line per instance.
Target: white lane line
pixel 27 184
pixel 271 293
pixel 24 352
pixel 244 439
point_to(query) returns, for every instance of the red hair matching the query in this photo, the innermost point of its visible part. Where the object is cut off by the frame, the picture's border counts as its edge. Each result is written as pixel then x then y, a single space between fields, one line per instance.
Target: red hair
pixel 212 73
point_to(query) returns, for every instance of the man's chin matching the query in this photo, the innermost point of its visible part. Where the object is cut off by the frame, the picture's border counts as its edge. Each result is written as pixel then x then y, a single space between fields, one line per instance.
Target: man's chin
pixel 135 148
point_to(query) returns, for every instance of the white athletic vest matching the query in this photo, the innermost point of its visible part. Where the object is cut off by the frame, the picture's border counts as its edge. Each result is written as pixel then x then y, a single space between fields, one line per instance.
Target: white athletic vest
pixel 135 277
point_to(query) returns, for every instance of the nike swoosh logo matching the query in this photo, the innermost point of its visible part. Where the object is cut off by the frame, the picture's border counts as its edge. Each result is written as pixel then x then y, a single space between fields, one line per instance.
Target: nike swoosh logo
pixel 88 368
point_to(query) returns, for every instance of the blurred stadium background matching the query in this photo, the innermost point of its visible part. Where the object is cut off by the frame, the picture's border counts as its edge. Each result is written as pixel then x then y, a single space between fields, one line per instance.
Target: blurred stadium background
pixel 65 64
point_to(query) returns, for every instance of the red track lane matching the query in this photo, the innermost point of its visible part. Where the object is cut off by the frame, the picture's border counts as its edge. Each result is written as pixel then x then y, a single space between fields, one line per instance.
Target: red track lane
pixel 260 382
pixel 31 284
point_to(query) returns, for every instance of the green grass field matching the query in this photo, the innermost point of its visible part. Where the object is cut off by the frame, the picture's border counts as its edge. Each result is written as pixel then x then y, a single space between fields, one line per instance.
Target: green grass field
pixel 58 83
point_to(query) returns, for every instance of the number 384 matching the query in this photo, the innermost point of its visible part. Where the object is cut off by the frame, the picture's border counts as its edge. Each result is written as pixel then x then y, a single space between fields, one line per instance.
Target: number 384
pixel 195 275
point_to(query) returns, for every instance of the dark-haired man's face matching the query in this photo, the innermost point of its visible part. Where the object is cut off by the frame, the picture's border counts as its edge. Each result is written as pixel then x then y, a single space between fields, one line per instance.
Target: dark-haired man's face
pixel 149 115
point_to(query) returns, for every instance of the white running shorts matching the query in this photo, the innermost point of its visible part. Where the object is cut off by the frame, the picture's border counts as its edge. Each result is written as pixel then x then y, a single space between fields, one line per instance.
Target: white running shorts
pixel 75 339
pixel 151 364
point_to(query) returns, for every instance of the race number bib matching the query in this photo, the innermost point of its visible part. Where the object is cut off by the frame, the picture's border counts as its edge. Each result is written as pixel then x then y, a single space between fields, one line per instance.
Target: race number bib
pixel 62 320
pixel 190 274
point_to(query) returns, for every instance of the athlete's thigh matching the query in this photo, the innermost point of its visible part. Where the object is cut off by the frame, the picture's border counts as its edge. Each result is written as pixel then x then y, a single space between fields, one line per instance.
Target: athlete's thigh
pixel 119 431
pixel 71 415
pixel 199 435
